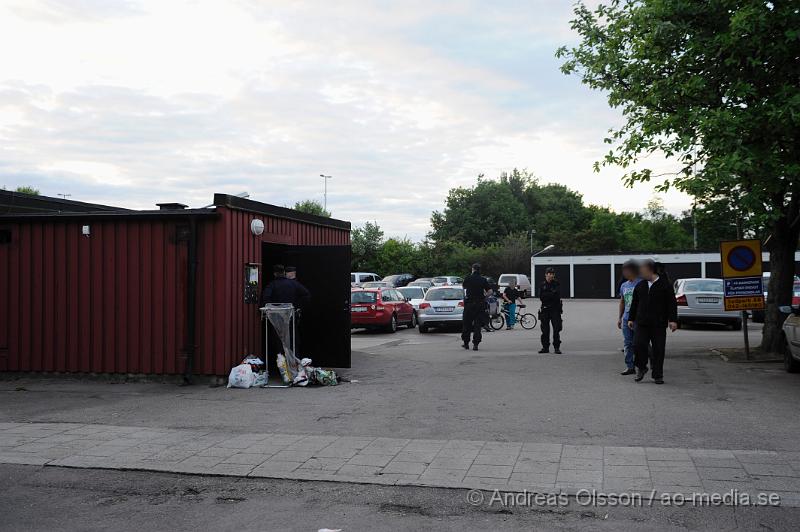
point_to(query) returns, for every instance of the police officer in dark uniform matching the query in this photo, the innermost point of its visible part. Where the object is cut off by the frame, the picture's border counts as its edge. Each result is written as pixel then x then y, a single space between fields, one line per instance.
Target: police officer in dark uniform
pixel 285 290
pixel 550 313
pixel 475 315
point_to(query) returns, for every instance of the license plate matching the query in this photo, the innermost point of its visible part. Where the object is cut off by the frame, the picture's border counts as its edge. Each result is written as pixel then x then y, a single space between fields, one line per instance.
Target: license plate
pixel 444 309
pixel 708 300
pixel 359 309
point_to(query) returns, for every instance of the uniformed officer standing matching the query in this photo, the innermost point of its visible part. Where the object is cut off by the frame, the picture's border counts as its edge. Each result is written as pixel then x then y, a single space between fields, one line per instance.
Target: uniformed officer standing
pixel 475 316
pixel 285 290
pixel 550 313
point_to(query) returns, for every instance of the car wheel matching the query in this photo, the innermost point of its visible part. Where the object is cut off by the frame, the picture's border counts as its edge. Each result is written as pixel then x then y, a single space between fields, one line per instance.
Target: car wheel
pixel 423 329
pixel 789 363
pixel 392 327
pixel 413 323
pixel 736 325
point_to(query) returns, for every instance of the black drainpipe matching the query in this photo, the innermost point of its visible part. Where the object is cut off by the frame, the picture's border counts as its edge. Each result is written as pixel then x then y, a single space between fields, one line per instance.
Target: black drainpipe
pixel 191 298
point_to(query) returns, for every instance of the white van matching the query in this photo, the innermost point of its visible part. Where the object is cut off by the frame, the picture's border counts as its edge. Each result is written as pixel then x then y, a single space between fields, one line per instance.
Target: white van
pixel 359 278
pixel 516 279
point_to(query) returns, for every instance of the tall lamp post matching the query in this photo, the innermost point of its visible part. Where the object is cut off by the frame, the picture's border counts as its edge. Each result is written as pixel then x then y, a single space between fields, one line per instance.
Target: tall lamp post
pixel 325 180
pixel 533 267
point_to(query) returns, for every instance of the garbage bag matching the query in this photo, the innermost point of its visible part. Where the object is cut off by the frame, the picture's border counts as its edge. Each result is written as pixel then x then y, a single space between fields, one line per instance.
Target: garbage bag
pixel 260 378
pixel 241 377
pixel 280 315
pixel 283 367
pixel 323 377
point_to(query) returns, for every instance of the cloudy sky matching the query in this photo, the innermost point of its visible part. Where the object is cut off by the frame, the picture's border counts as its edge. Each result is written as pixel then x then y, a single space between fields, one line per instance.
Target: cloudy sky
pixel 133 102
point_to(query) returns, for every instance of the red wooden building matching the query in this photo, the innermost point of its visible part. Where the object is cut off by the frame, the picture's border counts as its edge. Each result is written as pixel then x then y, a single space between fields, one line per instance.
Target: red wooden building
pixel 96 289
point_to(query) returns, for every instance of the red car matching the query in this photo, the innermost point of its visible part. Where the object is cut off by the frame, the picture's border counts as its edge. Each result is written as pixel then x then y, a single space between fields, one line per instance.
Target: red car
pixel 380 308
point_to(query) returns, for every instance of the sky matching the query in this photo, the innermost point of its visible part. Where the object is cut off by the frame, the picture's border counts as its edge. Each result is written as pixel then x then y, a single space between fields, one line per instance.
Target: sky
pixel 137 102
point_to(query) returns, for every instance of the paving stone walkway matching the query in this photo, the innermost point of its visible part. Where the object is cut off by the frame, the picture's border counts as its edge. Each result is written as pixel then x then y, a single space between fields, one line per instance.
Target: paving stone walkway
pixel 485 465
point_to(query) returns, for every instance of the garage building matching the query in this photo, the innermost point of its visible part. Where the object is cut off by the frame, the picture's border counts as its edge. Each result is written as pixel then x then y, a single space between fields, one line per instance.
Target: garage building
pixel 97 289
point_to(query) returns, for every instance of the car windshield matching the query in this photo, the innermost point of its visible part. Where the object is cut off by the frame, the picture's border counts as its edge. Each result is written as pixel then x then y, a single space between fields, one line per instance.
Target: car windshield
pixel 703 285
pixel 363 297
pixel 375 284
pixel 445 294
pixel 412 292
pixel 440 279
pixel 508 279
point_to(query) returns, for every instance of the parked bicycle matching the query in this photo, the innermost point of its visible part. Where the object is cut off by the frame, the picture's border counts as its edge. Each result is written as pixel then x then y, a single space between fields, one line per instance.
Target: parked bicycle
pixel 525 319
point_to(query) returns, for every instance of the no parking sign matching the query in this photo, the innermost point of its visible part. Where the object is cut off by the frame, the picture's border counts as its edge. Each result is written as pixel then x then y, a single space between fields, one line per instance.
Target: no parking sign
pixel 742 271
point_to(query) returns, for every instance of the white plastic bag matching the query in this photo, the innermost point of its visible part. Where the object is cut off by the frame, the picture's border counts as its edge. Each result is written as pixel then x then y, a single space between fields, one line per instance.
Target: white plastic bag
pixel 241 377
pixel 260 378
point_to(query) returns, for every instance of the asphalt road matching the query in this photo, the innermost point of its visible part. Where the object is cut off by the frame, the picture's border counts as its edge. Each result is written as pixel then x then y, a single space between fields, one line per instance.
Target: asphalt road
pixel 418 386
pixel 54 499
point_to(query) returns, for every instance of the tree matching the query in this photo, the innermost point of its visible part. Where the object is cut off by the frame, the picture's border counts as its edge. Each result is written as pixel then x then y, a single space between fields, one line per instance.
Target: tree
pixel 312 207
pixel 715 86
pixel 479 215
pixel 28 190
pixel 366 242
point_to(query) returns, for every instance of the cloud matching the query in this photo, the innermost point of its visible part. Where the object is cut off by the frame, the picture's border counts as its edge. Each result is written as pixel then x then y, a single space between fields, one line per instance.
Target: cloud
pixel 136 103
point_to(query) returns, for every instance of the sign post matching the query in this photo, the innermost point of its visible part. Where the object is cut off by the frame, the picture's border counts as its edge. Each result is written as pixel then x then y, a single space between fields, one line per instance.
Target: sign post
pixel 742 276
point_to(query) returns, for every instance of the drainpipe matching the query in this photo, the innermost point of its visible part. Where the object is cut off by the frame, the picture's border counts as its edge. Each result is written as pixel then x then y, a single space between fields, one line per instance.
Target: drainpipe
pixel 191 299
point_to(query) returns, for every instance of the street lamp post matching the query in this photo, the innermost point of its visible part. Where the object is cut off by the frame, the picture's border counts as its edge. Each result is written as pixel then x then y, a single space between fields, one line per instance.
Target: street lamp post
pixel 325 196
pixel 533 266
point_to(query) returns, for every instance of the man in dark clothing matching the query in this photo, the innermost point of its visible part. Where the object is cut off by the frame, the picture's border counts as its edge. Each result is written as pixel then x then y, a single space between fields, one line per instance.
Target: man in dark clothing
pixel 550 313
pixel 653 309
pixel 475 316
pixel 284 290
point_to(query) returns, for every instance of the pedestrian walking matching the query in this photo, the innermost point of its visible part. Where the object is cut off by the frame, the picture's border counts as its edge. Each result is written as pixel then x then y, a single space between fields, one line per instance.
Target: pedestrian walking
pixel 550 312
pixel 630 271
pixel 476 288
pixel 510 296
pixel 653 309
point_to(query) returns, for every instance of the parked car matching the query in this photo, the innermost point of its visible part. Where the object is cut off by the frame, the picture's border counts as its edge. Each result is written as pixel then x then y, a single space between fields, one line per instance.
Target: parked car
pixel 359 278
pixel 413 294
pixel 398 280
pixel 447 280
pixel 380 308
pixel 428 279
pixel 758 315
pixel 442 306
pixel 376 284
pixel 701 300
pixel 791 335
pixel 515 279
pixel 422 284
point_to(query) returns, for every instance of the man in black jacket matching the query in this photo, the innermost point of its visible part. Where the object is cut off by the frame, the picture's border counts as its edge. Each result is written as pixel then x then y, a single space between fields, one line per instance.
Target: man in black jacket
pixel 476 287
pixel 653 309
pixel 550 313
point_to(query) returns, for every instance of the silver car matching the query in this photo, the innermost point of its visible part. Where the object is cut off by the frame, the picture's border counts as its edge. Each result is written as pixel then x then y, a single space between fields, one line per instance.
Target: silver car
pixel 701 300
pixel 413 294
pixel 447 280
pixel 442 306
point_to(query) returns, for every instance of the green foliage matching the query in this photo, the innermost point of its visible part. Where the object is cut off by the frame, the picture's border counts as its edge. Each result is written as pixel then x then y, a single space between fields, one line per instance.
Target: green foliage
pixel 312 207
pixel 714 85
pixel 366 243
pixel 27 190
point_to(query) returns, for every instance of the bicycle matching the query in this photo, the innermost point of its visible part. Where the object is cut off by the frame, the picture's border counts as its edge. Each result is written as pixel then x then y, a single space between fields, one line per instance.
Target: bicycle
pixel 527 320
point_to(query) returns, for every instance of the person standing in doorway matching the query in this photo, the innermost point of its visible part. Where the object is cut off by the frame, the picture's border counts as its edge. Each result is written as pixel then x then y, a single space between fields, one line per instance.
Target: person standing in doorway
pixel 630 271
pixel 653 309
pixel 550 313
pixel 476 288
pixel 510 296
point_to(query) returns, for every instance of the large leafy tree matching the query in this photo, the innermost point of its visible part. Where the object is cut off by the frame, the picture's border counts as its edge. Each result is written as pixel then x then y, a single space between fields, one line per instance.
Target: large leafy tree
pixel 312 207
pixel 366 243
pixel 714 85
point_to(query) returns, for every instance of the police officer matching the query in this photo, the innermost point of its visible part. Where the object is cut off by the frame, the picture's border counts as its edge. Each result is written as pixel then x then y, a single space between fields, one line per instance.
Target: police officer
pixel 475 316
pixel 550 313
pixel 284 290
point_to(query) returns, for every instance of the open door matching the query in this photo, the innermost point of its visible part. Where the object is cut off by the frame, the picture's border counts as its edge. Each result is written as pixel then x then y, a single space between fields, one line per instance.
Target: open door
pixel 324 329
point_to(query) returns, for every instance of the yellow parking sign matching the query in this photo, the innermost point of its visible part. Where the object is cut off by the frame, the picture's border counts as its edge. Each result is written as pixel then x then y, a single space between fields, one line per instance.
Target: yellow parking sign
pixel 740 258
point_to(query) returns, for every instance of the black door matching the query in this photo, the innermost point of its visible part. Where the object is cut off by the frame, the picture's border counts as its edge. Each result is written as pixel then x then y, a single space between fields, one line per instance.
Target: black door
pixel 324 329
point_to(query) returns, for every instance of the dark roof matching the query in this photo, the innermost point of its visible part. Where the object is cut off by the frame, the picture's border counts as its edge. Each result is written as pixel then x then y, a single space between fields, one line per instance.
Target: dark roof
pixel 236 202
pixel 18 203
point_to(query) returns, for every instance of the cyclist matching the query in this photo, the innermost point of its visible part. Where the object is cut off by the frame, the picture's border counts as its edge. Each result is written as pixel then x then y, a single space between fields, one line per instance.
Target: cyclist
pixel 510 297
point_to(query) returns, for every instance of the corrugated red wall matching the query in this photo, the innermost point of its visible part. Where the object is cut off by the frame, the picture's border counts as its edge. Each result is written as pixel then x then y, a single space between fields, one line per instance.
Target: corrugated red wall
pixel 228 328
pixel 115 301
pixel 110 302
